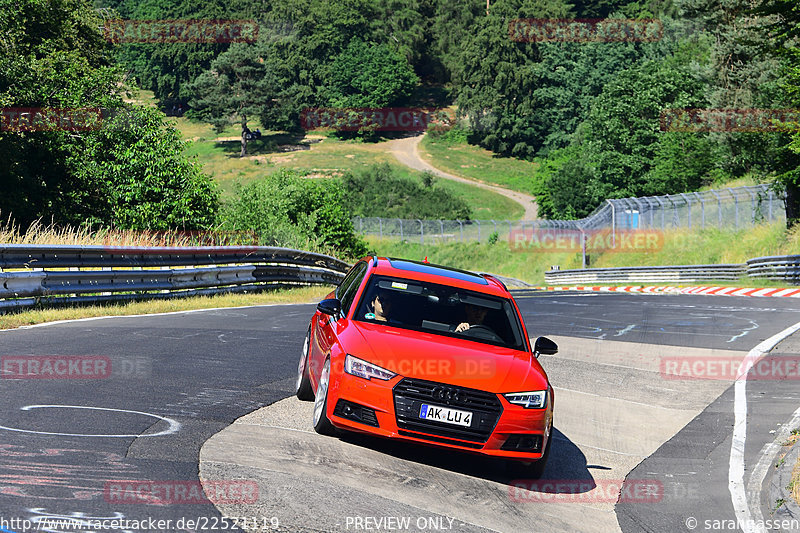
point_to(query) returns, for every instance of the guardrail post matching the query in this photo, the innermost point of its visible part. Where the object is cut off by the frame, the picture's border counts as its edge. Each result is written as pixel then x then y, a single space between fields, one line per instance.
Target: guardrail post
pixel 736 206
pixel 441 228
pixel 421 232
pixel 380 226
pixel 461 227
pixel 401 228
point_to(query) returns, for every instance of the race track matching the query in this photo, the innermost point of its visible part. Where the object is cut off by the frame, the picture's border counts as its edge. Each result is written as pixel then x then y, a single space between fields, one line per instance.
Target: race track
pixel 173 409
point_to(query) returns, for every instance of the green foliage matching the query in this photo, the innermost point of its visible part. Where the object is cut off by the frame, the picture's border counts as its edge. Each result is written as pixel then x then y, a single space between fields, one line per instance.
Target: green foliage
pixel 168 68
pixel 131 174
pixel 377 191
pixel 286 209
pixel 367 75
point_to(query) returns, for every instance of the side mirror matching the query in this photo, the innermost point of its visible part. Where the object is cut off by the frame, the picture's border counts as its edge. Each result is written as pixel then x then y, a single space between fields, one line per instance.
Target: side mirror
pixel 331 306
pixel 544 346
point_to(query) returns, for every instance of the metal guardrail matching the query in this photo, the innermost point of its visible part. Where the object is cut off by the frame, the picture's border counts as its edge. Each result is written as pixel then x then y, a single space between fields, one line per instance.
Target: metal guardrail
pixel 779 268
pixel 647 274
pixel 46 274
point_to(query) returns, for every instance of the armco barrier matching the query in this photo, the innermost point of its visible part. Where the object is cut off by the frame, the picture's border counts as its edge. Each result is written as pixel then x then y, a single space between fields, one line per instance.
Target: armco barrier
pixel 45 274
pixel 647 274
pixel 779 268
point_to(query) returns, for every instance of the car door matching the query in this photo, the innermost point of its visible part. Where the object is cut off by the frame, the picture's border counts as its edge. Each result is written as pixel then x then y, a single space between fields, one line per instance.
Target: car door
pixel 325 332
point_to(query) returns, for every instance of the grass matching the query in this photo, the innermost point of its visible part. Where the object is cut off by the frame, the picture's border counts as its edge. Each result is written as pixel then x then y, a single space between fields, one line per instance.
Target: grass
pixel 320 157
pixel 681 247
pixel 474 162
pixel 39 316
pixel 794 486
pixel 320 154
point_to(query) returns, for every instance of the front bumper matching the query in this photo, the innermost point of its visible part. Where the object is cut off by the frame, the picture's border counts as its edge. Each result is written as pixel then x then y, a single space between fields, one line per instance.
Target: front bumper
pixel 391 409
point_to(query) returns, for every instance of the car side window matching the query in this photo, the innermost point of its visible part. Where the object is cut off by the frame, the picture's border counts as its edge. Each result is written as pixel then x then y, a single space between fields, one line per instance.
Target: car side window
pixel 347 289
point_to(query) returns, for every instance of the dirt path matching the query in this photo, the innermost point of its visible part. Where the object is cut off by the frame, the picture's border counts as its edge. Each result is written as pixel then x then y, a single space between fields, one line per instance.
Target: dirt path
pixel 406 151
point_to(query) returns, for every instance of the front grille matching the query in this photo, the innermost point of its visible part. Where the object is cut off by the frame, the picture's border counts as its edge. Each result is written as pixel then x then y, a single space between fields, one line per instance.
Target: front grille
pixel 410 394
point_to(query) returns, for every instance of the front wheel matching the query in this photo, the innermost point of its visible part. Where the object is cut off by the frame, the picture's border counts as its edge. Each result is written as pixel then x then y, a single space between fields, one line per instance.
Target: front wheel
pixel 322 425
pixel 303 385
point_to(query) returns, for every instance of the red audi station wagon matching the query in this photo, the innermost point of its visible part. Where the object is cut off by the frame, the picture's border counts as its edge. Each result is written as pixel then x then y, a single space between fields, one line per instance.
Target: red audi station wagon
pixel 415 351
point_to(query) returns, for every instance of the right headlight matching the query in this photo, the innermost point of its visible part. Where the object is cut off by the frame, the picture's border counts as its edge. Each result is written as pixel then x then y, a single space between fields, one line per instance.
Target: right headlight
pixel 528 400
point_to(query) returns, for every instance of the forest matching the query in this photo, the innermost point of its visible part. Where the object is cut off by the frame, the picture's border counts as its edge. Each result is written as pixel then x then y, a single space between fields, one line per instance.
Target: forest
pixel 589 112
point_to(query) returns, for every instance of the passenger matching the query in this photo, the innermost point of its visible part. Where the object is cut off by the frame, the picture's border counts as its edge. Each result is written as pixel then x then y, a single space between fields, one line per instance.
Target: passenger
pixel 381 306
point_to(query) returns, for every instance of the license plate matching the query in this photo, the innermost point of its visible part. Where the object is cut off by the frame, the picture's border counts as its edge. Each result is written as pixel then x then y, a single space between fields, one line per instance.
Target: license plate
pixel 446 415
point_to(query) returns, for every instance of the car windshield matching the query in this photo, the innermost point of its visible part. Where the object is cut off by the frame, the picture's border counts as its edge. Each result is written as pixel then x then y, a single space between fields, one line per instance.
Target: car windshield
pixel 442 310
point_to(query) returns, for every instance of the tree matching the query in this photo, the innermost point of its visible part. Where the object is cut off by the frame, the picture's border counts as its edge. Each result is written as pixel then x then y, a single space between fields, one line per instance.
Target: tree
pixel 167 69
pixel 52 55
pixel 367 75
pixel 237 86
pixel 780 29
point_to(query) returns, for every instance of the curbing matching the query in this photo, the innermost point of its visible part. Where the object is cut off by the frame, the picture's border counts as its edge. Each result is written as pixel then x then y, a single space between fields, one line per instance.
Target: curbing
pixel 667 289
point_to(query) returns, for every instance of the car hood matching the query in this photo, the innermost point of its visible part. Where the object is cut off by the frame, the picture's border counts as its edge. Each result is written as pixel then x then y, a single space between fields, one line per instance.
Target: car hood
pixel 445 359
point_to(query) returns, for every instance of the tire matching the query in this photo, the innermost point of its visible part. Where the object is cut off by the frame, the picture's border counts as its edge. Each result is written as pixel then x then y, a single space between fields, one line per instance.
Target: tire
pixel 321 423
pixel 303 387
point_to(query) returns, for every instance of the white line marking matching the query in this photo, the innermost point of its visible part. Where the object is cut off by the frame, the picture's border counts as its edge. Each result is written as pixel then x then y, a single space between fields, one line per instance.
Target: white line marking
pixel 620 399
pixel 736 487
pixel 625 330
pixel 173 425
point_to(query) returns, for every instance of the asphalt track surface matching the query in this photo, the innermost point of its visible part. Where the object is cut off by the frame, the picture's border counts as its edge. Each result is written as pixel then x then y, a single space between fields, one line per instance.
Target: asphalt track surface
pixel 180 379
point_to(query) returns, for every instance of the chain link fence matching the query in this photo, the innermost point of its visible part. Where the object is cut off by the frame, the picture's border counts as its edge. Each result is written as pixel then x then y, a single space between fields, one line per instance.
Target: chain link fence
pixel 732 208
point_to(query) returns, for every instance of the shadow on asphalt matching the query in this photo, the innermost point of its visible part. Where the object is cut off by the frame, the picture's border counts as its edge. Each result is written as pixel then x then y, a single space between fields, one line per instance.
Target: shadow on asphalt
pixel 566 463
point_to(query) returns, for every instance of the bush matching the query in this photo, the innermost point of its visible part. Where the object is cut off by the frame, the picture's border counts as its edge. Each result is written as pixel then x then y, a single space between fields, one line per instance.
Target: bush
pixel 378 191
pixel 288 210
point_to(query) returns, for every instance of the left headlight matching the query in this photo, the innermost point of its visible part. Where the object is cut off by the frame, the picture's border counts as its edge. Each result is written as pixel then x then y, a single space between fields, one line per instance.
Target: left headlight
pixel 528 400
pixel 363 369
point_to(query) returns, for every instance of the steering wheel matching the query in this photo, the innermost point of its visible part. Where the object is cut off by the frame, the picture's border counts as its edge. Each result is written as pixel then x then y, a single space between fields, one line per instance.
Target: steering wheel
pixel 483 331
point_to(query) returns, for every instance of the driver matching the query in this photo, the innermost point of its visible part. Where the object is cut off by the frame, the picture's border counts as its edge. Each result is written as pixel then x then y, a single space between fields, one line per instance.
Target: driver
pixel 475 314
